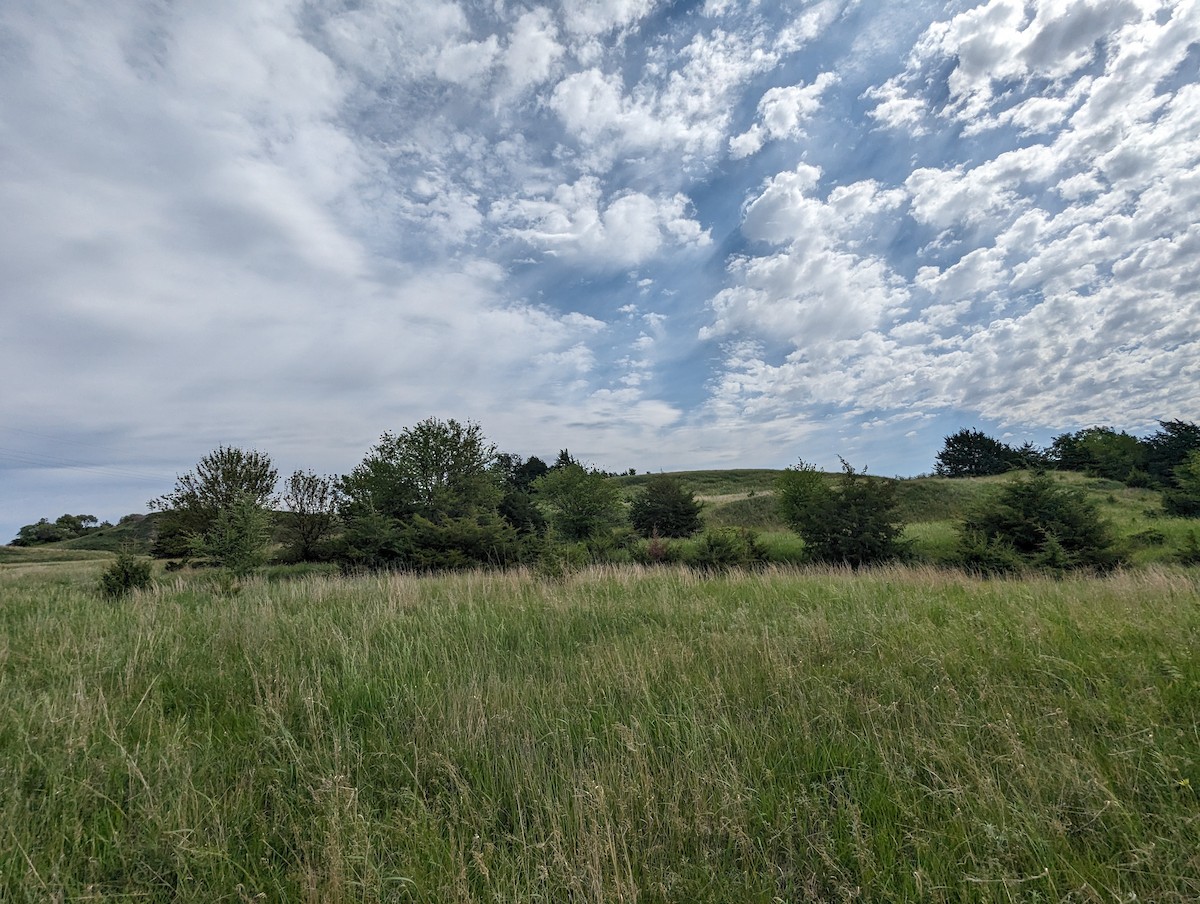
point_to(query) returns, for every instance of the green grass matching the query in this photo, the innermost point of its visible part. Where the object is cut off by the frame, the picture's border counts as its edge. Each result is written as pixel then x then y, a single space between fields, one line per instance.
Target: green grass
pixel 617 736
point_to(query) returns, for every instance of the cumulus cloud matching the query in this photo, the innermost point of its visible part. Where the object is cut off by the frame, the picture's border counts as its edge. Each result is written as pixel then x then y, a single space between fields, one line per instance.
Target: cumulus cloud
pixel 575 220
pixel 781 114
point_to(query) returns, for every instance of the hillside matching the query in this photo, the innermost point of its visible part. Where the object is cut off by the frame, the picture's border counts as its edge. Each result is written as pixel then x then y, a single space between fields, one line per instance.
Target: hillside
pixel 930 506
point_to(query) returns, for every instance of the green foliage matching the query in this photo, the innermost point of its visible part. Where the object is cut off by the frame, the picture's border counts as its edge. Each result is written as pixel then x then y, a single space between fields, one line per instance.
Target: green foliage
pixel 582 504
pixel 1169 446
pixel 454 543
pixel 517 476
pixel 1183 498
pixel 237 538
pixel 1036 521
pixel 127 573
pixel 971 453
pixel 721 549
pixel 665 508
pixel 311 504
pixel 434 469
pixel 64 527
pixel 854 522
pixel 1099 451
pixel 209 509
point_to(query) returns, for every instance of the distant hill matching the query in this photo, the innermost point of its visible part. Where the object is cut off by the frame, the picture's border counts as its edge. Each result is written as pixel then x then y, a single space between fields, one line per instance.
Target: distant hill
pixel 930 506
pixel 135 532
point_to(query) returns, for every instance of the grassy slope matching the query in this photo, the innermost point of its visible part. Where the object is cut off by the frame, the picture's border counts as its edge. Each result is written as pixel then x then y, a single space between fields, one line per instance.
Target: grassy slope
pixel 897 735
pixel 745 498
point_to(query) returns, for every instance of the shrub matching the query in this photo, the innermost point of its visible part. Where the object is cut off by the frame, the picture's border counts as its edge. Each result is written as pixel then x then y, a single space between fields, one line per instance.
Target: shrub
pixel 856 522
pixel 1183 498
pixel 728 547
pixel 128 572
pixel 1034 521
pixel 582 503
pixel 665 508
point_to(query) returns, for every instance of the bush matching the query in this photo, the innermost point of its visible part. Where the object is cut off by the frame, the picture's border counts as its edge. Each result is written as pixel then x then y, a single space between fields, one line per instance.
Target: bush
pixel 665 508
pixel 128 572
pixel 1034 521
pixel 725 548
pixel 854 523
pixel 582 504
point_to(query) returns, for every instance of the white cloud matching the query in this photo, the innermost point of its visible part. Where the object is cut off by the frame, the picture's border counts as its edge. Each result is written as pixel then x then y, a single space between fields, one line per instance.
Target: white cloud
pixel 532 51
pixel 819 287
pixel 781 114
pixel 577 222
pixel 686 112
pixel 595 17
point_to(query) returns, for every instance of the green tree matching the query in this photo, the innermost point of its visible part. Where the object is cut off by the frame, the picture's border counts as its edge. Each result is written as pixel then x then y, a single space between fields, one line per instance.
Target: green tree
pixel 1099 451
pixel 237 538
pixel 231 489
pixel 1184 497
pixel 853 521
pixel 127 573
pixel 582 504
pixel 665 508
pixel 310 515
pixel 64 527
pixel 1167 448
pixel 517 505
pixel 426 498
pixel 1036 521
pixel 972 453
pixel 435 469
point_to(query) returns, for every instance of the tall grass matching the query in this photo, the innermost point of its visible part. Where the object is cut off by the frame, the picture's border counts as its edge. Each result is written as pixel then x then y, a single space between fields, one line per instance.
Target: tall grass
pixel 619 735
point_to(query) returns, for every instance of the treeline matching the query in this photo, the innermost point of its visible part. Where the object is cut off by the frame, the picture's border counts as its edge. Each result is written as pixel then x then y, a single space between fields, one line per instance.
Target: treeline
pixel 64 527
pixel 439 496
pixel 434 496
pixel 1168 459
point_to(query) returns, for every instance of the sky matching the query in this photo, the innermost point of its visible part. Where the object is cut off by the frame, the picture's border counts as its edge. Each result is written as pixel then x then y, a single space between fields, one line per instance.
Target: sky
pixel 663 235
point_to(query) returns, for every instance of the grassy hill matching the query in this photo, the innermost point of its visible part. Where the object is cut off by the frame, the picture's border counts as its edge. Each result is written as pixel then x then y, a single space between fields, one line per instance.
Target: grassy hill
pixel 930 506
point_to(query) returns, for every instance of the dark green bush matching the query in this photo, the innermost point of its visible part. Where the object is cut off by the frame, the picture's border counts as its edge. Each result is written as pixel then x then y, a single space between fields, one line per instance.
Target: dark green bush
pixel 665 508
pixel 1035 521
pixel 127 573
pixel 724 548
pixel 853 522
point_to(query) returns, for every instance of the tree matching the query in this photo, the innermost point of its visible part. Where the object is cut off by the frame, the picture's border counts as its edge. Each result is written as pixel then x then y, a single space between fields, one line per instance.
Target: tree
pixel 435 469
pixel 517 476
pixel 426 498
pixel 971 453
pixel 310 514
pixel 1036 521
pixel 665 508
pixel 1184 497
pixel 238 537
pixel 1167 448
pixel 582 504
pixel 64 527
pixel 853 522
pixel 222 509
pixel 1099 451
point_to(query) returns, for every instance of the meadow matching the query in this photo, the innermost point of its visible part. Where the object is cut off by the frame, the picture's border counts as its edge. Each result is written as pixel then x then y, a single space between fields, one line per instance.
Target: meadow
pixel 616 735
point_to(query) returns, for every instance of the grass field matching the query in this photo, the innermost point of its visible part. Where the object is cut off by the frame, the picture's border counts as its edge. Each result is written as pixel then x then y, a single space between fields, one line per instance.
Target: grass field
pixel 617 736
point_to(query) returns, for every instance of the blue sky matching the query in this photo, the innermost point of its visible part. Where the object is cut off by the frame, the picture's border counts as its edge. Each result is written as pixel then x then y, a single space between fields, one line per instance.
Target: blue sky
pixel 663 235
